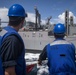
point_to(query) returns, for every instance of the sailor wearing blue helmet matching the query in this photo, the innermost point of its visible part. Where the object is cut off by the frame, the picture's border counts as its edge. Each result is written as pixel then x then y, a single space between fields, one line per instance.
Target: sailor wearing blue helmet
pixel 12 47
pixel 60 54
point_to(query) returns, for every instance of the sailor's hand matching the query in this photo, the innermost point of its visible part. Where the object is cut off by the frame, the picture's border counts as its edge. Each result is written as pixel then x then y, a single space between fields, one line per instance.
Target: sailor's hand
pixel 39 62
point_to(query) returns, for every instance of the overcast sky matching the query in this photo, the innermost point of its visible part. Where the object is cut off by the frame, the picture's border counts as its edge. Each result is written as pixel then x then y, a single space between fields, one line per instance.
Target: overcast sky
pixel 47 8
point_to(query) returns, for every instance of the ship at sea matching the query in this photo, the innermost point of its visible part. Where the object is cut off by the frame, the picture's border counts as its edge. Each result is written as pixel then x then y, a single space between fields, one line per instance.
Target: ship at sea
pixel 36 36
pixel 37 39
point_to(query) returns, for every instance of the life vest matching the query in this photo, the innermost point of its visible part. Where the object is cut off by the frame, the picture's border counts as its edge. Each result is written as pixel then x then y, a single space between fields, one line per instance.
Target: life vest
pixel 61 59
pixel 1 68
pixel 21 65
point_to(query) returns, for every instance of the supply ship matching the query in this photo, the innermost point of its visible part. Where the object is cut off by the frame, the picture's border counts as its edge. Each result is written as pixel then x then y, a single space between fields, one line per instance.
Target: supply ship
pixel 36 39
pixel 36 36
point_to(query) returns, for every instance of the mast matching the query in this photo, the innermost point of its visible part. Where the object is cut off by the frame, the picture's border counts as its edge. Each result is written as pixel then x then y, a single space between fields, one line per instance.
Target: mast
pixel 36 14
pixel 37 18
pixel 67 22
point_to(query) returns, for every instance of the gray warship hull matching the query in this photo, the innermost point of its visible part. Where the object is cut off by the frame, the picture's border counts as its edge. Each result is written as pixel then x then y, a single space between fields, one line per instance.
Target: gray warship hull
pixel 37 40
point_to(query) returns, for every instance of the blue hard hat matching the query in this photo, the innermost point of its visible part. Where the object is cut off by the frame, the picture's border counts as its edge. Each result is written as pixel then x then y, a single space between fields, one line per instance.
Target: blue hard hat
pixel 59 28
pixel 17 10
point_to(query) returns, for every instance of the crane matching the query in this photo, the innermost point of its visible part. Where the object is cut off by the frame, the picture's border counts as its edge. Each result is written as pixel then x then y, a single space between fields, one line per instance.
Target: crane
pixel 48 20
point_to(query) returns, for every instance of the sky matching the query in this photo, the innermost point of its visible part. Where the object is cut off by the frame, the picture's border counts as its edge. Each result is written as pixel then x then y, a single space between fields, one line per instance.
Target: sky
pixel 47 8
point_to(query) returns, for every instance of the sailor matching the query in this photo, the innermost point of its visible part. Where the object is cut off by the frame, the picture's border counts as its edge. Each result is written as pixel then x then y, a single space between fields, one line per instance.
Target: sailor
pixel 12 49
pixel 60 54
